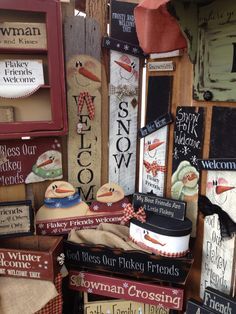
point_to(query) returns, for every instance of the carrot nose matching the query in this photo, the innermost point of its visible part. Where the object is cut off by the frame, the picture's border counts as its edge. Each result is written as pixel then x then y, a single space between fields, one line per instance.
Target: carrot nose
pixel 221 189
pixel 89 74
pixel 124 66
pixel 155 145
pixel 46 162
pixel 105 194
pixel 63 191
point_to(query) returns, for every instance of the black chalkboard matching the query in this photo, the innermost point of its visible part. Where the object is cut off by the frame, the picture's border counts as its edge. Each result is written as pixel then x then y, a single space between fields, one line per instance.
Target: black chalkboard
pixel 214 299
pixel 196 307
pixel 122 25
pixel 223 133
pixel 188 135
pixel 159 96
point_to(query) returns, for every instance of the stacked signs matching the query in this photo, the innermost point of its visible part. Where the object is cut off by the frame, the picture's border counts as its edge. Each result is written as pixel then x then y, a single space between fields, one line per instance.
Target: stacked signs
pixel 84 105
pixel 124 82
pixel 156 134
pixel 188 136
pixel 214 302
pixel 218 253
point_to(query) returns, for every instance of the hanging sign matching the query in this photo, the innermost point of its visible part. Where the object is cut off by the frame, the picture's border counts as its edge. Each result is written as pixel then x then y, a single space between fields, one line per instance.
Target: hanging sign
pixel 123 120
pixel 16 218
pixel 30 161
pixel 23 35
pixel 20 78
pixel 171 298
pixel 217 164
pixel 195 307
pixel 161 66
pixel 155 125
pixel 215 300
pixel 188 135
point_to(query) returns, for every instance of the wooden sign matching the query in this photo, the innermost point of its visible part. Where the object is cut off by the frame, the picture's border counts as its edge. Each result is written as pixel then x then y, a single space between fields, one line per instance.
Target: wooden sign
pixel 161 206
pixel 217 301
pixel 161 66
pixel 84 105
pixel 195 307
pixel 65 225
pixel 6 114
pixel 123 120
pixel 158 97
pixel 30 161
pixel 23 35
pixel 32 257
pixel 188 135
pixel 20 78
pixel 171 298
pixel 154 162
pixel 16 218
pixel 155 125
pixel 223 130
pixel 122 46
pixel 131 263
pixel 216 58
pixel 123 22
pixel 217 164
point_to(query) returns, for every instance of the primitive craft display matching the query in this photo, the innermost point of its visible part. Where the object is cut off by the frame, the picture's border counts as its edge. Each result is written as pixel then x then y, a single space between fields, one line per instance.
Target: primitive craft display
pixel 188 137
pixel 32 69
pixel 33 257
pixel 84 81
pixel 16 218
pixel 63 208
pixel 121 288
pixel 29 161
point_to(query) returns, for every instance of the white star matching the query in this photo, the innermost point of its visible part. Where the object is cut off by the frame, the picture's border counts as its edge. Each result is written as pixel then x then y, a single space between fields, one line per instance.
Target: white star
pixel 108 42
pixel 57 205
pixel 109 204
pixel 135 50
pixel 126 47
pixel 175 292
pixel 95 207
pixel 124 205
pixel 125 285
pixel 118 45
pixel 90 290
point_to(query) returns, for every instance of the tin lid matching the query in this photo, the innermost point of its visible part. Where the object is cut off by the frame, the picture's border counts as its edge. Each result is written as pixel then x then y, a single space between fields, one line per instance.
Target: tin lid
pixel 165 225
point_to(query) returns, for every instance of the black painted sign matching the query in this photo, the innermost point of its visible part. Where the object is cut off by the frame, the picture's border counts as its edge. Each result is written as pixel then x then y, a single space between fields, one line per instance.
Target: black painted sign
pixel 123 22
pixel 158 96
pixel 195 307
pixel 122 46
pixel 155 125
pixel 131 263
pixel 188 134
pixel 219 302
pixel 217 164
pixel 161 206
pixel 223 133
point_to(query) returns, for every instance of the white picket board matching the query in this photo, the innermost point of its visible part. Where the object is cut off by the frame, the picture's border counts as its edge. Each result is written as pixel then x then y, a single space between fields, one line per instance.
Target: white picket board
pixel 154 181
pixel 218 255
pixel 123 122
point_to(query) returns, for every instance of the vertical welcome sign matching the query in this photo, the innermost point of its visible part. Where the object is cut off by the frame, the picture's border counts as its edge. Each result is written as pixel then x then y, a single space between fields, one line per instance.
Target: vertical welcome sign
pixel 84 105
pixel 124 79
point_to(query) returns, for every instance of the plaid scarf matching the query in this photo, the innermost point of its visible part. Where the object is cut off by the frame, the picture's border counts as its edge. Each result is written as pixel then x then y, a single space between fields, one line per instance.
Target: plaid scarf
pixel 88 99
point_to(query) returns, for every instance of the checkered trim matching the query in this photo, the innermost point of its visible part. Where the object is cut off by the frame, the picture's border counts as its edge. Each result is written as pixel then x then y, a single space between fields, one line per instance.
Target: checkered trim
pixel 85 97
pixel 153 167
pixel 54 306
pixel 130 213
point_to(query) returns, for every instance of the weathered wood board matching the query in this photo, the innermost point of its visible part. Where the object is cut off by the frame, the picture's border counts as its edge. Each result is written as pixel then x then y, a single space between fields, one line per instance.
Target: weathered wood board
pixel 84 104
pixel 123 120
pixel 218 264
pixel 23 35
pixel 6 114
pixel 188 134
pixel 215 68
pixel 154 162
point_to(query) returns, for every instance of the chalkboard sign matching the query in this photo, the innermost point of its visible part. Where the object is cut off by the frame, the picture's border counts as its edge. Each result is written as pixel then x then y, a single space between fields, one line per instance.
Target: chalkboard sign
pixel 161 206
pixel 159 96
pixel 223 133
pixel 155 125
pixel 195 307
pixel 16 218
pixel 122 22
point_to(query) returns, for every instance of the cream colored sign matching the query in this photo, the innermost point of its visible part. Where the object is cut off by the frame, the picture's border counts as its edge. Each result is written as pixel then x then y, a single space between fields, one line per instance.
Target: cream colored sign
pixel 161 66
pixel 20 78
pixel 23 35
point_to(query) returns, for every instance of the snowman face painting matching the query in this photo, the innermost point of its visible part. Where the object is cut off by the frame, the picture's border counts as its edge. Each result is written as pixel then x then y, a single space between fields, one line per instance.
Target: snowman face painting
pixel 110 193
pixel 47 167
pixel 126 68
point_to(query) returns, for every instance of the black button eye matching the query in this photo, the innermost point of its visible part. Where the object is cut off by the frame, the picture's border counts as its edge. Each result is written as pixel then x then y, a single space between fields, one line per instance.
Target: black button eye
pixel 77 64
pixel 54 187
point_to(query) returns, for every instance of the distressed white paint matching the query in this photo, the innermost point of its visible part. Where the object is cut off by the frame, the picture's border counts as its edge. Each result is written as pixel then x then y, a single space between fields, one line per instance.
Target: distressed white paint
pixel 218 255
pixel 151 181
pixel 123 123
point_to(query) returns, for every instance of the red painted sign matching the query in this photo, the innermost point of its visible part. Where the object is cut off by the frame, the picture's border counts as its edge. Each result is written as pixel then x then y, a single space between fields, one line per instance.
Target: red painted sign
pixel 63 226
pixel 171 298
pixel 28 161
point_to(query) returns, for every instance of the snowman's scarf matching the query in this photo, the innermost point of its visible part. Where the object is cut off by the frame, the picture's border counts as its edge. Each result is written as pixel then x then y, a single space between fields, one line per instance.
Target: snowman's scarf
pixel 64 202
pixel 85 97
pixel 53 173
